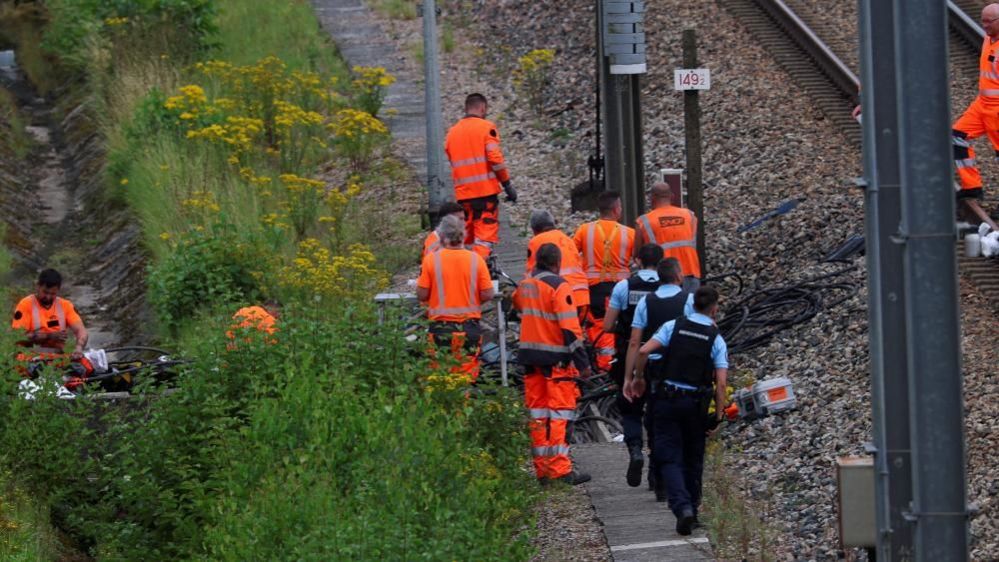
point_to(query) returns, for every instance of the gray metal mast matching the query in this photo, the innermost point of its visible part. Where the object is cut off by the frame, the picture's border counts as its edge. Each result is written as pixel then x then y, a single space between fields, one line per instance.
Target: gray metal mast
pixel 930 269
pixel 439 187
pixel 622 48
pixel 886 290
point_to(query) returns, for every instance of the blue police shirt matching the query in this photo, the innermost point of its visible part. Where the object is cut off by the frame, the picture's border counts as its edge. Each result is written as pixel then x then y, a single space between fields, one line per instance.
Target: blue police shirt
pixel 719 349
pixel 619 296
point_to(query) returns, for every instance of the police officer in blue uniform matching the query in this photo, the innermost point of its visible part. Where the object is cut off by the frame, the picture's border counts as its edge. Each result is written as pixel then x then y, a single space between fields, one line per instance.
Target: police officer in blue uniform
pixel 694 367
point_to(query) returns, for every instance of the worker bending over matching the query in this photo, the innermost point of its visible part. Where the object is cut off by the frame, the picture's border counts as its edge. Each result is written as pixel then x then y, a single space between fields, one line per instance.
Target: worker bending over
pixel 605 246
pixel 674 229
pixel 478 169
pixel 454 282
pixel 981 118
pixel 45 319
pixel 620 311
pixel 552 353
pixel 543 226
pixel 681 388
pixel 433 241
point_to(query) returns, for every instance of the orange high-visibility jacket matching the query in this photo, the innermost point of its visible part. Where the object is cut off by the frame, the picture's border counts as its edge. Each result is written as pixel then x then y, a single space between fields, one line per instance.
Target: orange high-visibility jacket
pixel 477 167
pixel 432 243
pixel 30 316
pixel 571 270
pixel 988 75
pixel 606 247
pixel 549 326
pixel 675 230
pixel 454 277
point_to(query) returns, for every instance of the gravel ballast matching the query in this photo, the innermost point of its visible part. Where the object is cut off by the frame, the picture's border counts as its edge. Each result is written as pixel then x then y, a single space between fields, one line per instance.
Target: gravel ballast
pixel 764 143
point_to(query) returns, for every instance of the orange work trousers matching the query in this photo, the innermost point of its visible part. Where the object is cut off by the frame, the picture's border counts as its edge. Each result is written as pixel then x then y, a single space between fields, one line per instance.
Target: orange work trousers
pixel 979 119
pixel 603 343
pixel 551 401
pixel 464 349
pixel 481 224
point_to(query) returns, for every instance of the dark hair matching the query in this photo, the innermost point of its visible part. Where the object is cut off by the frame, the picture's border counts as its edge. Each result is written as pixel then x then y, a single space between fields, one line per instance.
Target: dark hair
pixel 650 255
pixel 607 200
pixel 450 208
pixel 669 270
pixel 49 278
pixel 549 257
pixel 705 298
pixel 475 100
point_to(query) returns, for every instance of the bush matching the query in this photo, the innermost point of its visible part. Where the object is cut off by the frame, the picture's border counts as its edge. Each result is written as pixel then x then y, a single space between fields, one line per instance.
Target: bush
pixel 323 445
pixel 531 78
pixel 206 267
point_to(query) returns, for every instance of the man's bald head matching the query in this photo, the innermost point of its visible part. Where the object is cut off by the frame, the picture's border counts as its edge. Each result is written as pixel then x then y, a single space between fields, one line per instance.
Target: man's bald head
pixel 662 194
pixel 990 20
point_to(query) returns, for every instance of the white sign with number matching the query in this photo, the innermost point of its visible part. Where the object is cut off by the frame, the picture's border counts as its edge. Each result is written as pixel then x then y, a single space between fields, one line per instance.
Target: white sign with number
pixel 691 79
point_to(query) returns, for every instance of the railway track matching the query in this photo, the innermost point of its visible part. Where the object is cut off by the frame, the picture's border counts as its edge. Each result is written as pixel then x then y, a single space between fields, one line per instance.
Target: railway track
pixel 796 41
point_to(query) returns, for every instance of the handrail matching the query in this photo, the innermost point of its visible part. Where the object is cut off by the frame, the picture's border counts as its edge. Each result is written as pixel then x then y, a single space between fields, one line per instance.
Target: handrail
pixel 965 25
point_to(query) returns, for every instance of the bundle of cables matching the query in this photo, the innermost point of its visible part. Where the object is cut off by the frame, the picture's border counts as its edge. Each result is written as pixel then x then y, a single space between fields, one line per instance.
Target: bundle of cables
pixel 756 317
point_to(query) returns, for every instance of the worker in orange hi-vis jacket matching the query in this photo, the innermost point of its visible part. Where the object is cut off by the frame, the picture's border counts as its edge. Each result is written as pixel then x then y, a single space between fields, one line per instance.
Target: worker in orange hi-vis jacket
pixel 543 226
pixel 981 118
pixel 432 243
pixel 674 229
pixel 551 351
pixel 478 170
pixel 454 282
pixel 605 246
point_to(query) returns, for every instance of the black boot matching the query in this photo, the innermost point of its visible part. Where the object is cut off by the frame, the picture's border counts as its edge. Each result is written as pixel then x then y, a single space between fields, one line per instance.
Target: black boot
pixel 685 522
pixel 636 459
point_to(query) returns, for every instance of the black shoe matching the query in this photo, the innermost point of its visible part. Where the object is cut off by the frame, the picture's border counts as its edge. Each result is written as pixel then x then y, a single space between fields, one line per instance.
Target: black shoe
pixel 685 522
pixel 661 495
pixel 635 463
pixel 574 478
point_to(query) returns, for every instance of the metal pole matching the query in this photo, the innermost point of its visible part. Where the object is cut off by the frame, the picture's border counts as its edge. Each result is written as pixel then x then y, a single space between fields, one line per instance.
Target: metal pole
pixel 930 268
pixel 439 187
pixel 886 290
pixel 692 130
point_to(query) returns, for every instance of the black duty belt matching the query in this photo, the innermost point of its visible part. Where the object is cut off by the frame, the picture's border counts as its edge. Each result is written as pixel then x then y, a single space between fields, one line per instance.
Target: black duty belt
pixel 667 389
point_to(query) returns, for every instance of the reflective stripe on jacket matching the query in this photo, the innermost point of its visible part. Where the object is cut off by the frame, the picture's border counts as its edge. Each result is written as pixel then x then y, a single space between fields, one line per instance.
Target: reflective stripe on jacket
pixel 549 326
pixel 477 166
pixel 606 257
pixel 988 72
pixel 674 230
pixel 454 278
pixel 571 269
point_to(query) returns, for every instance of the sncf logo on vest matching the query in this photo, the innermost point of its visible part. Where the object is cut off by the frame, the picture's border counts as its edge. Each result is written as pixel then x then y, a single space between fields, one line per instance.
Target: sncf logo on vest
pixel 671 221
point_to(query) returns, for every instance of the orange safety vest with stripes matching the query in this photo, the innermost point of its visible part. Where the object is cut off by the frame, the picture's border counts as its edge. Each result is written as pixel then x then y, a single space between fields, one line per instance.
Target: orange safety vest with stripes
pixel 988 75
pixel 549 326
pixel 674 229
pixel 571 269
pixel 606 247
pixel 432 243
pixel 454 277
pixel 30 315
pixel 477 167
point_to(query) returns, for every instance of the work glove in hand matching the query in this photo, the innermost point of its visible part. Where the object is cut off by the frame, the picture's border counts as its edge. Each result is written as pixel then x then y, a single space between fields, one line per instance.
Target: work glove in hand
pixel 511 193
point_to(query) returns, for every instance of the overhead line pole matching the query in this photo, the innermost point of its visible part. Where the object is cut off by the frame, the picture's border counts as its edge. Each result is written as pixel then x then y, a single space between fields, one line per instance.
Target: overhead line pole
pixel 886 284
pixel 438 176
pixel 927 231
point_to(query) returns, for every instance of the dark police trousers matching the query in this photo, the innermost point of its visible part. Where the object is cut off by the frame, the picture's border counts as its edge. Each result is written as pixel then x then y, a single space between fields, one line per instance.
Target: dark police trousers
pixel 633 414
pixel 678 422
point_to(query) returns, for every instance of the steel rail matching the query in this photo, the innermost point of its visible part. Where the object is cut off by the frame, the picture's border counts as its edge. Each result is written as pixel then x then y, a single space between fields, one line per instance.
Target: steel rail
pixel 830 64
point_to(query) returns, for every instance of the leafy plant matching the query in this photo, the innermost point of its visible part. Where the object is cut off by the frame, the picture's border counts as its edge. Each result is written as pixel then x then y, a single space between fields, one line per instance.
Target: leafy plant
pixel 531 78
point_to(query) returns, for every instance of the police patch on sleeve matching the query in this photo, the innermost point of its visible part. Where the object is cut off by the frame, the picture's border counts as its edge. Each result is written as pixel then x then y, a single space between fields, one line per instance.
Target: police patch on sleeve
pixel 17 315
pixel 492 133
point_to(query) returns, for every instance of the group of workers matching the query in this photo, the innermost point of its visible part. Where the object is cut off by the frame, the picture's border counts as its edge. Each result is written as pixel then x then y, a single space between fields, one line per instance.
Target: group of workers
pixel 652 330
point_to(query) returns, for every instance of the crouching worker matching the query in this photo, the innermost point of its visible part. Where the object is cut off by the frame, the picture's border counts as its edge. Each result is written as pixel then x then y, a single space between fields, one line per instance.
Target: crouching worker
pixel 552 353
pixel 263 318
pixel 454 282
pixel 44 320
pixel 695 367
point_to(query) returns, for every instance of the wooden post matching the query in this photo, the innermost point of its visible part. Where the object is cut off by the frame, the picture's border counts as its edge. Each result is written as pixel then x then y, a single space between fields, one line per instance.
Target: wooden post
pixel 692 129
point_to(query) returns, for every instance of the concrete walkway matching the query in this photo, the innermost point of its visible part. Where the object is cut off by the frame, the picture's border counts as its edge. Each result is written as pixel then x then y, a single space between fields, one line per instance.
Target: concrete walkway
pixel 637 528
pixel 362 42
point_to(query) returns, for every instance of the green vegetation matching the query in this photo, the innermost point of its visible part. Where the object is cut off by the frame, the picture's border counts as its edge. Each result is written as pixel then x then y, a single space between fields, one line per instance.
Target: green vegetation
pixel 396 9
pixel 736 523
pixel 25 534
pixel 246 151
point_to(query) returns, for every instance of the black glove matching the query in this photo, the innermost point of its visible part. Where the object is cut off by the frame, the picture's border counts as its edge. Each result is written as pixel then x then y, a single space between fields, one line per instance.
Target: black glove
pixel 511 193
pixel 712 422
